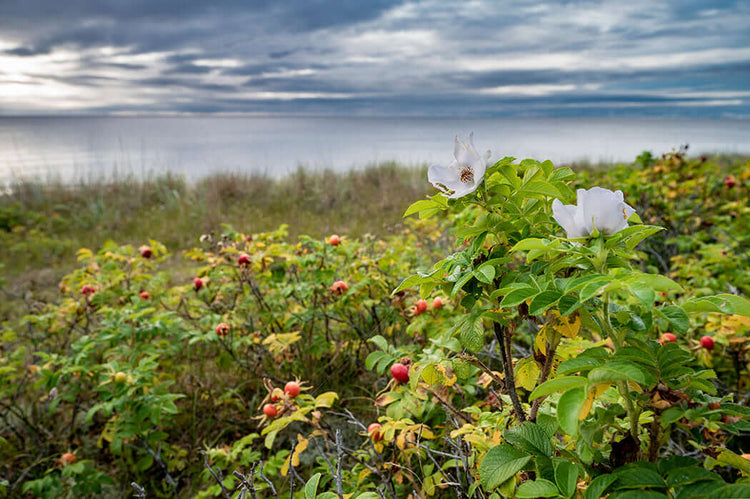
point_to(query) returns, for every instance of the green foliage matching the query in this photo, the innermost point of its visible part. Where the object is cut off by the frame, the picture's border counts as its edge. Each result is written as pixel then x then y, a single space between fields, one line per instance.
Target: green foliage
pixel 541 372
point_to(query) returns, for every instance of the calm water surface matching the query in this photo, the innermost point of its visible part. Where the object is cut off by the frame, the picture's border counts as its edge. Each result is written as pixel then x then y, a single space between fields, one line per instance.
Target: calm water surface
pixel 74 149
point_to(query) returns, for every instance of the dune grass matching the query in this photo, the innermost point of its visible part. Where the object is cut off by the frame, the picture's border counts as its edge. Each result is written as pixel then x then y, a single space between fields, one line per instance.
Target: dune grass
pixel 43 224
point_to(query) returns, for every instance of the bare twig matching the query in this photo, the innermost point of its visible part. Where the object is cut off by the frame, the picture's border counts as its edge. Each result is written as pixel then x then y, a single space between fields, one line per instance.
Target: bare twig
pixel 217 476
pixel 339 455
pixel 140 492
pixel 269 482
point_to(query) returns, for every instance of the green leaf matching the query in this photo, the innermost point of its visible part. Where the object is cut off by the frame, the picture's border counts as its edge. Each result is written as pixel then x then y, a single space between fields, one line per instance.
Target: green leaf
pixel 145 462
pixel 729 458
pixel 724 303
pixel 568 304
pixel 472 333
pixel 518 296
pixel 569 408
pixel 639 476
pixel 598 486
pixel 562 174
pixel 689 474
pixel 531 438
pixel 732 491
pixel 543 301
pixel 311 487
pixel 676 316
pixel 633 235
pixel 427 207
pixel 381 342
pixel 536 488
pixel 559 384
pixel 577 364
pixel 373 359
pixel 529 244
pixel 593 288
pixel 656 282
pixel 638 494
pixel 566 476
pixel 485 273
pixel 540 188
pixel 501 463
pixel 620 370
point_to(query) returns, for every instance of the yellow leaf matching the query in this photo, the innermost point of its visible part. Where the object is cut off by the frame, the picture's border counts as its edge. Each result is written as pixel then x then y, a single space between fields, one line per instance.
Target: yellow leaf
pixel 362 475
pixel 326 399
pixel 594 393
pixel 277 343
pixel 527 373
pixel 567 325
pixel 302 443
pixel 85 254
pixel 541 341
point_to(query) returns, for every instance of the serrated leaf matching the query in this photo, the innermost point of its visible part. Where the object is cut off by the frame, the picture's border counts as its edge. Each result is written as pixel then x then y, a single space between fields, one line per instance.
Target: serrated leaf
pixel 724 303
pixel 311 487
pixel 536 488
pixel 500 464
pixel 529 244
pixel 543 301
pixel 620 370
pixel 485 273
pixel 527 373
pixel 566 476
pixel 559 384
pixel 676 316
pixel 518 296
pixel 530 437
pixel 599 486
pixel 472 333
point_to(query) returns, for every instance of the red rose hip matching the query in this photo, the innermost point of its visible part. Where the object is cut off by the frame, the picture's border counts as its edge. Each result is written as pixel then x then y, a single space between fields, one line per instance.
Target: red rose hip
pixel 244 259
pixel 145 295
pixel 667 338
pixel 222 329
pixel 197 283
pixel 339 288
pixel 334 240
pixel 420 307
pixel 437 303
pixel 400 372
pixel 707 342
pixel 292 389
pixel 270 411
pixel 276 394
pixel 374 431
pixel 145 251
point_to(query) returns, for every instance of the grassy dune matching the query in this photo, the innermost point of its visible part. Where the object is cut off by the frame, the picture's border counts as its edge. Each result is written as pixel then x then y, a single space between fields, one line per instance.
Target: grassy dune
pixel 43 224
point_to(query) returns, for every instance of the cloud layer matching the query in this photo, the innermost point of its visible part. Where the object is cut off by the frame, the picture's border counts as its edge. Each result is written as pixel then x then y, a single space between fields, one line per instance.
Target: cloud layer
pixel 475 58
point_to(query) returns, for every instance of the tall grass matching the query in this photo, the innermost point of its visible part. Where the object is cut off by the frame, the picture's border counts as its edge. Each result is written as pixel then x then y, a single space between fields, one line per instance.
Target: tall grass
pixel 42 224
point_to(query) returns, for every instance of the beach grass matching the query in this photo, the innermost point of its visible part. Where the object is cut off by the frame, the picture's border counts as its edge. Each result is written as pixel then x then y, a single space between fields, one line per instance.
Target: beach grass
pixel 43 224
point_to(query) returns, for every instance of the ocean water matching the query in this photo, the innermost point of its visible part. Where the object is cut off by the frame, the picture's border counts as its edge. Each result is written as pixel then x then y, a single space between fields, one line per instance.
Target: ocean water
pixel 84 148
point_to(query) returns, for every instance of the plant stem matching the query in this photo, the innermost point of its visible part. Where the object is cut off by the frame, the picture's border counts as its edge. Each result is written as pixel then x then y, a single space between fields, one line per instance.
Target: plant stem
pixel 546 370
pixel 503 338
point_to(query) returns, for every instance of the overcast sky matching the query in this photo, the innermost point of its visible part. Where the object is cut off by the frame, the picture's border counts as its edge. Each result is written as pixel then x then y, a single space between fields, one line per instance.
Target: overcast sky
pixel 376 57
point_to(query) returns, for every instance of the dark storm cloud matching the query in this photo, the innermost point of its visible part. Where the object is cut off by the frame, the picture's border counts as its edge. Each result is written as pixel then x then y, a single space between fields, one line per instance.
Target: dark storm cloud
pixel 422 57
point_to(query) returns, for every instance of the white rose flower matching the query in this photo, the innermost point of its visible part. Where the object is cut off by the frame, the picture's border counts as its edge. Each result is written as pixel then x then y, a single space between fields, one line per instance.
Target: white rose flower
pixel 464 174
pixel 597 208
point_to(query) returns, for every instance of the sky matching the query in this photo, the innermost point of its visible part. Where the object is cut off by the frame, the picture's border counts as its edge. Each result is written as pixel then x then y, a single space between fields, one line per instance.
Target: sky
pixel 376 57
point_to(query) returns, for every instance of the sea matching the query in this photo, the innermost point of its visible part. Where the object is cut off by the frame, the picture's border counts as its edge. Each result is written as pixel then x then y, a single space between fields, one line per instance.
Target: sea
pixel 82 149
